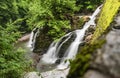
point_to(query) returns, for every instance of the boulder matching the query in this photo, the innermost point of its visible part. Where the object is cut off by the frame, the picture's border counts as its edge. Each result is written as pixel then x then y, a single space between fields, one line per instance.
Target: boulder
pixel 24 38
pixel 106 60
pixel 32 75
pixel 95 74
pixel 108 57
pixel 117 23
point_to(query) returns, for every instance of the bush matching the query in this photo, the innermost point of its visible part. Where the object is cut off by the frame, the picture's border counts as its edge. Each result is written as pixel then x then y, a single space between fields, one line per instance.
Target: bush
pixel 12 62
pixel 88 5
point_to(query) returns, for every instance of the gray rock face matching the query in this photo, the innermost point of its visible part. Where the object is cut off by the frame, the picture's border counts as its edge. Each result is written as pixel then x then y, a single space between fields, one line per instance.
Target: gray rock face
pixel 106 63
pixel 108 58
pixel 117 20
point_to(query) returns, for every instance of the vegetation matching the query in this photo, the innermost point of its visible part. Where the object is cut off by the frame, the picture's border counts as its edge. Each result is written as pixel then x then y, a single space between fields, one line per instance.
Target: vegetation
pixel 88 6
pixel 12 62
pixel 56 14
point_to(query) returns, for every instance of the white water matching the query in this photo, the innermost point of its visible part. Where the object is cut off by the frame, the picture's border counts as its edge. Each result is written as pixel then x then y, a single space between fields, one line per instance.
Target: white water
pixel 32 40
pixel 73 48
pixel 52 54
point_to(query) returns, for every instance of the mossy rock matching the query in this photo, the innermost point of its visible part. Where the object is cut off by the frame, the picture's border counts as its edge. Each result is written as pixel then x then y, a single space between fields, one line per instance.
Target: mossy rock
pixel 107 14
pixel 82 62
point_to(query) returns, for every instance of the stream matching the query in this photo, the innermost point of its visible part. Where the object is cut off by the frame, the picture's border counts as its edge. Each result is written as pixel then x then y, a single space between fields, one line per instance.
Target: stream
pixel 55 62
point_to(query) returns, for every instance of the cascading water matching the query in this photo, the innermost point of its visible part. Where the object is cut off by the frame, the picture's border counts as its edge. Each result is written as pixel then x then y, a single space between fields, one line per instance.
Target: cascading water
pixel 53 52
pixel 32 39
pixel 51 55
pixel 73 48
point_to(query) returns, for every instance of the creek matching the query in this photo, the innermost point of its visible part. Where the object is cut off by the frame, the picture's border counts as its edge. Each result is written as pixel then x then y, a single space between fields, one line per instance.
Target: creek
pixel 55 62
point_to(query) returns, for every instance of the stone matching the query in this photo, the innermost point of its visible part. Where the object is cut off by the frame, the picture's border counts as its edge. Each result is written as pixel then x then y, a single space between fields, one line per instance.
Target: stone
pixel 32 75
pixel 94 74
pixel 88 38
pixel 89 34
pixel 117 25
pixel 108 57
pixel 35 58
pixel 24 38
pixel 43 40
pixel 86 18
pixel 106 61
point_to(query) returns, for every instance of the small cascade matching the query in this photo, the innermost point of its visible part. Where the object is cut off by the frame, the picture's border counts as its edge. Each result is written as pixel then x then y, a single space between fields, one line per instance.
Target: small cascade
pixel 32 39
pixel 52 55
pixel 72 49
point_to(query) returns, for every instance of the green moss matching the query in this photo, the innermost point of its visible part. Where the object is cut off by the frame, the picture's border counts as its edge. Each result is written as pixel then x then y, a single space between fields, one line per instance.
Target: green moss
pixel 82 61
pixel 81 22
pixel 109 10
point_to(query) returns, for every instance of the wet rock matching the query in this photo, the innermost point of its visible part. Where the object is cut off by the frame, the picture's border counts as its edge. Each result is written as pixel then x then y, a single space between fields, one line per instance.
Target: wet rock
pixel 86 18
pixel 89 34
pixel 88 38
pixel 94 74
pixel 32 75
pixel 43 40
pixel 78 22
pixel 91 29
pixel 56 73
pixel 36 58
pixel 117 23
pixel 74 22
pixel 24 38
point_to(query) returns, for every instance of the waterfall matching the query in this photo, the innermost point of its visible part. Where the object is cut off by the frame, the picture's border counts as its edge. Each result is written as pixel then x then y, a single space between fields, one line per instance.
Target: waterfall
pixel 73 48
pixel 32 39
pixel 52 55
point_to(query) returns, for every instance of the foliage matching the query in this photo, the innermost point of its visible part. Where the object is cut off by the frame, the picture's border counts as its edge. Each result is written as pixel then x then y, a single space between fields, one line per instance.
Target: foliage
pixel 111 7
pixel 88 5
pixel 12 62
pixel 28 14
pixel 11 11
pixel 51 13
